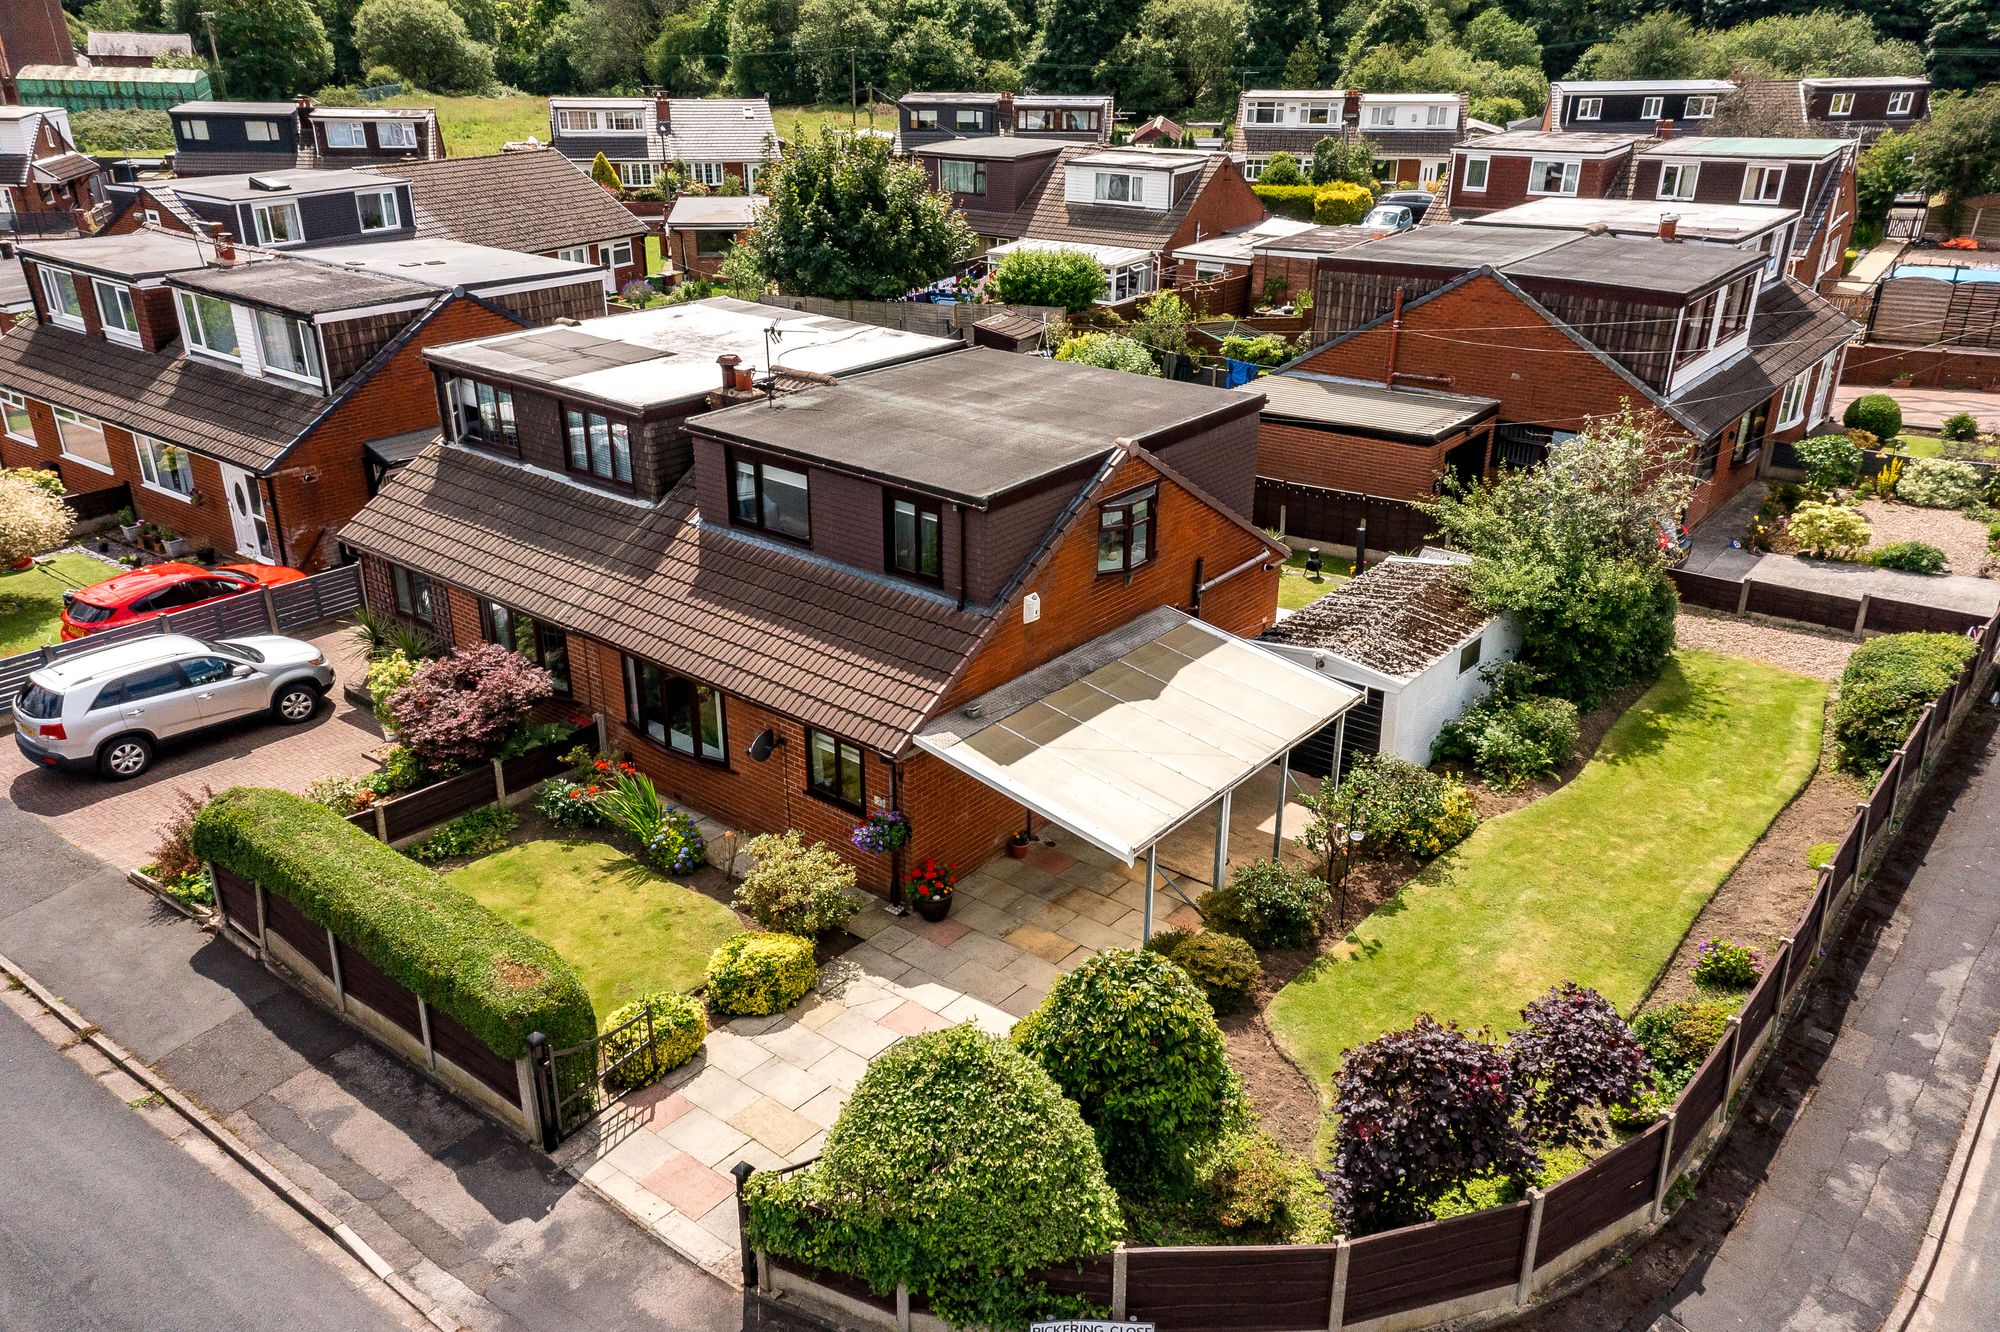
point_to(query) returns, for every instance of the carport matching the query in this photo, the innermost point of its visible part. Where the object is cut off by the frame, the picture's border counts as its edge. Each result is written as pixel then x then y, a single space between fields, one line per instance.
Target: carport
pixel 1124 739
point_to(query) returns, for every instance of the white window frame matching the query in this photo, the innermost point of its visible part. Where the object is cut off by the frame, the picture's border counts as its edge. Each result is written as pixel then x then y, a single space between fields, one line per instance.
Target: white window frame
pixel 1318 113
pixel 1210 271
pixel 1485 165
pixel 574 254
pixel 1128 282
pixel 339 132
pixel 1572 176
pixel 65 416
pixel 1842 104
pixel 750 170
pixel 1686 175
pixel 116 296
pixel 1589 108
pixel 195 131
pixel 151 467
pixel 1381 117
pixel 1437 117
pixel 1901 104
pixel 710 174
pixel 11 402
pixel 616 255
pixel 307 347
pixel 52 280
pixel 194 338
pixel 260 215
pixel 1253 167
pixel 1792 402
pixel 260 131
pixel 1653 108
pixel 392 211
pixel 1827 367
pixel 396 133
pixel 1135 187
pixel 636 175
pixel 1700 108
pixel 1263 113
pixel 1754 177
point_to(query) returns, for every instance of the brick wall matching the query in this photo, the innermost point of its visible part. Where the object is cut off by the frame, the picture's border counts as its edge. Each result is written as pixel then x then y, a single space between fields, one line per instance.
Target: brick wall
pixel 1295 274
pixel 1335 460
pixel 1227 203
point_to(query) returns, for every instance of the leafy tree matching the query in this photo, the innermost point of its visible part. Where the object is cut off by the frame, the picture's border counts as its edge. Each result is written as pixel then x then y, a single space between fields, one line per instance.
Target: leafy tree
pixel 1963 47
pixel 604 173
pixel 1273 31
pixel 1957 152
pixel 1076 36
pixel 1302 66
pixel 683 58
pixel 1502 111
pixel 1442 67
pixel 1822 44
pixel 460 707
pixel 1883 172
pixel 1573 1054
pixel 1282 169
pixel 1143 70
pixel 1572 551
pixel 1392 23
pixel 1163 324
pixel 1108 351
pixel 1660 45
pixel 1131 1040
pixel 270 49
pixel 31 520
pixel 1503 40
pixel 928 54
pixel 1337 159
pixel 762 59
pixel 426 42
pixel 1069 279
pixel 848 222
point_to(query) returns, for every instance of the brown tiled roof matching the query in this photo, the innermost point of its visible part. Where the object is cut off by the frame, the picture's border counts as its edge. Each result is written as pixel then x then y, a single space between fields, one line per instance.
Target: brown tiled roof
pixel 214 411
pixel 1774 106
pixel 533 200
pixel 1046 216
pixel 836 648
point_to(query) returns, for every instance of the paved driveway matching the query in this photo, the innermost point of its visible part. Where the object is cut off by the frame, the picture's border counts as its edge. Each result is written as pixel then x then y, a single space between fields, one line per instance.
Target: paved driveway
pixel 120 821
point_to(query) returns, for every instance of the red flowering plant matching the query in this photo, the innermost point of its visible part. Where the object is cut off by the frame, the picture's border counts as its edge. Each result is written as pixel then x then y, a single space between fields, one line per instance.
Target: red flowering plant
pixel 933 882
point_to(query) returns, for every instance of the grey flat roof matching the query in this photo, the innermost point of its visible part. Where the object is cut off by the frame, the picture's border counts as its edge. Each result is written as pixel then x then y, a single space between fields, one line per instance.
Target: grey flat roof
pixel 952 98
pixel 1160 159
pixel 1870 81
pixel 717 210
pixel 975 424
pixel 1645 265
pixel 1060 99
pixel 1723 146
pixel 296 181
pixel 1457 247
pixel 1318 240
pixel 235 108
pixel 373 112
pixel 997 146
pixel 1730 222
pixel 135 254
pixel 446 263
pixel 301 287
pixel 1368 408
pixel 1583 143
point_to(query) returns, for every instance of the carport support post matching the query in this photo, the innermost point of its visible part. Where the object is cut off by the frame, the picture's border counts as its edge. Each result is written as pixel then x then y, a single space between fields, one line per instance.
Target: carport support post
pixel 1284 793
pixel 1152 877
pixel 1339 749
pixel 1221 839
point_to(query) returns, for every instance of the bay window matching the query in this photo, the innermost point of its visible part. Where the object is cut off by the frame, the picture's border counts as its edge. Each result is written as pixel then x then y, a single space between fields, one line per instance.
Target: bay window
pixel 674 712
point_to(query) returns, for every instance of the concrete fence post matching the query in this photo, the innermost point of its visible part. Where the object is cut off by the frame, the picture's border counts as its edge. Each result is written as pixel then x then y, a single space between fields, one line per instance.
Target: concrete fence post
pixel 1336 1310
pixel 1665 1175
pixel 339 984
pixel 902 1307
pixel 1743 597
pixel 424 1023
pixel 603 742
pixel 270 608
pixel 499 783
pixel 1784 975
pixel 263 951
pixel 1734 1025
pixel 524 1085
pixel 1861 617
pixel 1524 1288
pixel 1861 809
pixel 381 822
pixel 1118 1286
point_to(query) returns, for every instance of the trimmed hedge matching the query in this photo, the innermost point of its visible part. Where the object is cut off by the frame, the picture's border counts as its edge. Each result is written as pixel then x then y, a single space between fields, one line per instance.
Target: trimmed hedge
pixel 1883 690
pixel 445 947
pixel 758 973
pixel 680 1025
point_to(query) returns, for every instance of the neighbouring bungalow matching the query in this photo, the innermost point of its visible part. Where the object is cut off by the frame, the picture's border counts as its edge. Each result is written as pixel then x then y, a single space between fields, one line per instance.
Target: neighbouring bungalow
pixel 1863 107
pixel 703 229
pixel 227 138
pixel 935 117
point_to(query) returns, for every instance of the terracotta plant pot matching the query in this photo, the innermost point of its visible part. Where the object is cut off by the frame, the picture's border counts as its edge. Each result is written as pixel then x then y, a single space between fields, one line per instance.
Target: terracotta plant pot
pixel 933 909
pixel 1018 848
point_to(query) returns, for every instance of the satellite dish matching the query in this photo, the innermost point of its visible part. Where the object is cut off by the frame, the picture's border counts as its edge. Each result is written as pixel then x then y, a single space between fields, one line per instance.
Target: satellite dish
pixel 761 747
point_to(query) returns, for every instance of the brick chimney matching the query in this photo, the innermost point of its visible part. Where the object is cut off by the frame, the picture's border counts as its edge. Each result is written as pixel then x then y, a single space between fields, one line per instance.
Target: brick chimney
pixel 663 112
pixel 224 243
pixel 1663 129
pixel 1670 226
pixel 729 361
pixel 1350 108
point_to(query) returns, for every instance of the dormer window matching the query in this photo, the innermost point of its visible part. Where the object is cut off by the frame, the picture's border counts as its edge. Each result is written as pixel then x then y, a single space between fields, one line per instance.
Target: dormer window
pixel 1677 179
pixel 774 499
pixel 579 120
pixel 277 223
pixel 194 131
pixel 1316 113
pixel 969 120
pixel 1435 116
pixel 924 118
pixel 1842 105
pixel 963 177
pixel 1117 187
pixel 1652 108
pixel 1700 108
pixel 290 347
pixel 115 312
pixel 260 131
pixel 397 133
pixel 916 528
pixel 346 134
pixel 481 415
pixel 209 324
pixel 1900 103
pixel 599 446
pixel 378 210
pixel 1763 182
pixel 1261 113
pixel 1590 108
pixel 1381 117
pixel 59 291
pixel 1553 177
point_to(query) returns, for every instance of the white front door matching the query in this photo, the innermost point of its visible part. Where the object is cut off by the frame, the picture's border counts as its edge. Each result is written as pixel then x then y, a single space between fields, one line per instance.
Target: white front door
pixel 246 512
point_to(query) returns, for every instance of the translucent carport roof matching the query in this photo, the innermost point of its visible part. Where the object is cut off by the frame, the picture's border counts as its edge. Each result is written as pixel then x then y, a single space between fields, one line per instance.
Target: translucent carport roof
pixel 1131 735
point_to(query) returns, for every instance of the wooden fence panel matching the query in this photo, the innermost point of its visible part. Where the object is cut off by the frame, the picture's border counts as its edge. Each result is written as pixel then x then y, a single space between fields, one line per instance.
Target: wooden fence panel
pixel 1437 1261
pixel 1331 516
pixel 1908 617
pixel 1760 1009
pixel 434 804
pixel 840 1283
pixel 292 925
pixel 1699 1101
pixel 1088 1277
pixel 238 898
pixel 1806 935
pixel 379 990
pixel 1203 1289
pixel 450 1039
pixel 1882 800
pixel 1791 603
pixel 537 764
pixel 1847 860
pixel 1706 590
pixel 1610 1189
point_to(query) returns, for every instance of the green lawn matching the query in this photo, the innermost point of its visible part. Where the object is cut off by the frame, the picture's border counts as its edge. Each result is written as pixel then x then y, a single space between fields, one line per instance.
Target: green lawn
pixel 1596 883
pixel 480 126
pixel 31 600
pixel 627 930
pixel 1296 588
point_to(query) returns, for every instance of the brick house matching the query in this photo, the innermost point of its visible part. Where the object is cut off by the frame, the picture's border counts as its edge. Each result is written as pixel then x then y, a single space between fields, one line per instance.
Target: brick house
pixel 1494 171
pixel 1288 120
pixel 825 573
pixel 702 229
pixel 712 138
pixel 1861 108
pixel 238 395
pixel 1714 344
pixel 1412 134
pixel 47 187
pixel 939 117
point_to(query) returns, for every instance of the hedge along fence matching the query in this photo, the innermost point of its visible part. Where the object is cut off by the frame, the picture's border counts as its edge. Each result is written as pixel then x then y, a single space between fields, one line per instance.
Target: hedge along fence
pixel 453 954
pixel 1492 1260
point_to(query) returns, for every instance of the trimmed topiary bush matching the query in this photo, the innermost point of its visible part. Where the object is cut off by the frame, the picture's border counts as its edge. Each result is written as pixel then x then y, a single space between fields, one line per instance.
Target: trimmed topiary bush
pixel 956 1165
pixel 1341 204
pixel 1259 1193
pixel 797 887
pixel 1940 483
pixel 1877 413
pixel 760 972
pixel 1129 1038
pixel 1883 690
pixel 447 948
pixel 679 1027
pixel 1911 557
pixel 1270 904
pixel 1223 965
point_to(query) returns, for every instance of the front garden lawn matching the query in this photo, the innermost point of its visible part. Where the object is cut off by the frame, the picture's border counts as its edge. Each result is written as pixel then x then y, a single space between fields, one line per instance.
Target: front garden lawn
pixel 627 930
pixel 1597 882
pixel 31 600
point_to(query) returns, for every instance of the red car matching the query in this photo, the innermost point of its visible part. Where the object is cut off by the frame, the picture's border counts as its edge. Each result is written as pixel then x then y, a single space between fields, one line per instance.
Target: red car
pixel 157 588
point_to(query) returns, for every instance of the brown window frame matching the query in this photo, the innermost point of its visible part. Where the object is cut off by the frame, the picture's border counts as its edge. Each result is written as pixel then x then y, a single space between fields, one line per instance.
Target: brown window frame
pixel 1151 522
pixel 509 444
pixel 566 687
pixel 586 412
pixel 636 720
pixel 403 582
pixel 732 460
pixel 923 505
pixel 832 794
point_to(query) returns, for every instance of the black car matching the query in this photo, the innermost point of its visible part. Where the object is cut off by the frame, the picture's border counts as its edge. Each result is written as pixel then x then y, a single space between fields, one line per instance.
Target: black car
pixel 1414 200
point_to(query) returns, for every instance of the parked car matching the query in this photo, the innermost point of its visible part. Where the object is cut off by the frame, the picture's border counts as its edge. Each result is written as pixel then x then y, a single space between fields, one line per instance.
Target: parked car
pixel 1388 219
pixel 1417 201
pixel 159 588
pixel 108 710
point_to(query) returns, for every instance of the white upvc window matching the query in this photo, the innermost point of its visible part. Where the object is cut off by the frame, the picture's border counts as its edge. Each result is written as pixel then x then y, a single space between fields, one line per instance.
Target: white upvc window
pixel 1475 174
pixel 574 254
pixel 1553 176
pixel 290 347
pixel 260 131
pixel 1677 179
pixel 277 223
pixel 1776 248
pixel 396 133
pixel 1842 105
pixel 165 467
pixel 1589 108
pixel 1827 374
pixel 706 173
pixel 378 210
pixel 1253 167
pixel 14 418
pixel 1900 103
pixel 346 134
pixel 636 175
pixel 1437 116
pixel 1262 113
pixel 115 312
pixel 1792 403
pixel 64 305
pixel 1700 108
pixel 194 131
pixel 82 439
pixel 1129 281
pixel 1381 117
pixel 209 325
pixel 1763 182
pixel 617 254
pixel 1118 187
pixel 1652 108
pixel 1316 113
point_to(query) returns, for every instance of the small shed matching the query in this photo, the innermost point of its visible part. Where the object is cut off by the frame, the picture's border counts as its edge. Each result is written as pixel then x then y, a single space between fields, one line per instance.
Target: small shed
pixel 1406 632
pixel 1010 332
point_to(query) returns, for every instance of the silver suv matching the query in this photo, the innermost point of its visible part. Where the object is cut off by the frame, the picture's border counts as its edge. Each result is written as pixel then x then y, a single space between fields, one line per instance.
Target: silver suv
pixel 108 710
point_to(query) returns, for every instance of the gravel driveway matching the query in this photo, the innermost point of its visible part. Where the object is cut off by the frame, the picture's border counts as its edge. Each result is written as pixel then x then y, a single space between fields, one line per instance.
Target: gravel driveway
pixel 1962 540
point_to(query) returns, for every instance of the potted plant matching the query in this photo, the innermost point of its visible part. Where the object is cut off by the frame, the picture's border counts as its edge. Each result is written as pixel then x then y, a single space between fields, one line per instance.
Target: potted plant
pixel 128 525
pixel 1018 844
pixel 931 886
pixel 884 830
pixel 172 544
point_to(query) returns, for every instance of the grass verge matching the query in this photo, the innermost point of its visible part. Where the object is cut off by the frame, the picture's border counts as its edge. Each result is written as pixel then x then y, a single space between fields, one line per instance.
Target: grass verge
pixel 1596 883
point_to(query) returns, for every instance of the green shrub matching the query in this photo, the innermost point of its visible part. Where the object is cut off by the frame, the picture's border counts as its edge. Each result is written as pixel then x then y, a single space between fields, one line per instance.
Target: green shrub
pixel 1341 204
pixel 1960 426
pixel 569 804
pixel 440 943
pixel 1830 461
pixel 1940 483
pixel 679 1027
pixel 1280 170
pixel 1511 739
pixel 797 887
pixel 1108 351
pixel 1678 1036
pixel 1293 201
pixel 1399 807
pixel 401 771
pixel 1910 557
pixel 955 1166
pixel 1722 965
pixel 343 795
pixel 758 973
pixel 1272 905
pixel 1883 690
pixel 1267 349
pixel 1129 1038
pixel 1877 413
pixel 667 837
pixel 1068 279
pixel 1258 1193
pixel 1828 529
pixel 473 833
pixel 1223 965
pixel 386 676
